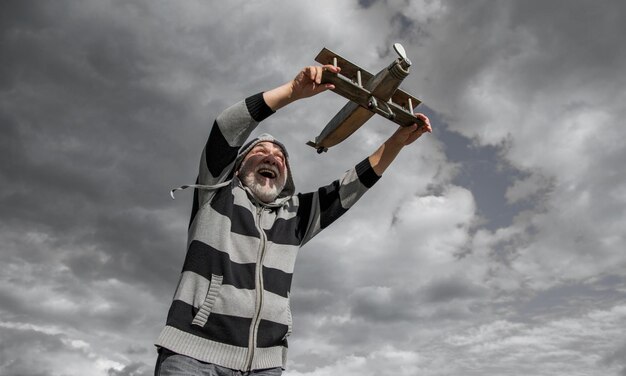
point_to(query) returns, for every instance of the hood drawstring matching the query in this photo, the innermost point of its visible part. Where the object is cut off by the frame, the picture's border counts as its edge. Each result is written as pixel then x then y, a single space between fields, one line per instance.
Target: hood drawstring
pixel 287 191
pixel 200 186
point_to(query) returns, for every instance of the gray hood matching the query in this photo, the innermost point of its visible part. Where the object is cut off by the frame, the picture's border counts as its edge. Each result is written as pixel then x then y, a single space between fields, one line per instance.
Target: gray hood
pixel 290 187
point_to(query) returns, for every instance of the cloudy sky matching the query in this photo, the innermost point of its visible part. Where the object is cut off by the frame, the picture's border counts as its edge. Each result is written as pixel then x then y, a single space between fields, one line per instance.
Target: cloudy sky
pixel 494 246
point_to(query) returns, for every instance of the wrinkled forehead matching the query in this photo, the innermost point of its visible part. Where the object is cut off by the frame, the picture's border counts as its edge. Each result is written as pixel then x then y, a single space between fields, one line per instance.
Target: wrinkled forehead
pixel 267 147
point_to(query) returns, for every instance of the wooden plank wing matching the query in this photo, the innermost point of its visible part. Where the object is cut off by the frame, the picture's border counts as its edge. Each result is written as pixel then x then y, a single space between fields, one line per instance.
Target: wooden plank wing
pixel 348 69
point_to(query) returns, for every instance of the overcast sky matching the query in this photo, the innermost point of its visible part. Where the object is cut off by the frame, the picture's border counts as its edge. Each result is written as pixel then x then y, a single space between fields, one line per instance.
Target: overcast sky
pixel 493 246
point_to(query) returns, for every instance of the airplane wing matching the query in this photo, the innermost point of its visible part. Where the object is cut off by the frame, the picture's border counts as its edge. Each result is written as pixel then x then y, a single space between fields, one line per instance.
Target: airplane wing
pixel 348 69
pixel 351 72
pixel 368 94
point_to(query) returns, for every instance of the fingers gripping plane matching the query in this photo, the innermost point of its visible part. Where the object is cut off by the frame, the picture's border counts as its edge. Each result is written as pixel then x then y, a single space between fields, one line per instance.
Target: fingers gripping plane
pixel 368 94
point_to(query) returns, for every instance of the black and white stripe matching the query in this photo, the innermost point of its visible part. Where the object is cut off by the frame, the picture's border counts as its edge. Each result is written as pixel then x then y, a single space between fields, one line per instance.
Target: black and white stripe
pixel 240 258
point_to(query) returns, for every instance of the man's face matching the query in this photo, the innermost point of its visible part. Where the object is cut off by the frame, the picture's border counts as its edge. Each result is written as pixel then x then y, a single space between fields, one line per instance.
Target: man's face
pixel 264 171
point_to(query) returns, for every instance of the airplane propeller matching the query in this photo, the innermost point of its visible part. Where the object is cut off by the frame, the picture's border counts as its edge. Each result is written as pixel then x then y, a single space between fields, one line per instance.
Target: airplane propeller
pixel 402 53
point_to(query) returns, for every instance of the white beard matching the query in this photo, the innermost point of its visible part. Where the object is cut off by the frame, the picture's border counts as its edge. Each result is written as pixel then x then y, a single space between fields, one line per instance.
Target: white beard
pixel 264 192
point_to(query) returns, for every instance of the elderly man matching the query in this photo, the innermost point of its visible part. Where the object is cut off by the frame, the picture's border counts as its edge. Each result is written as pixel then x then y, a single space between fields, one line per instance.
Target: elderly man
pixel 230 314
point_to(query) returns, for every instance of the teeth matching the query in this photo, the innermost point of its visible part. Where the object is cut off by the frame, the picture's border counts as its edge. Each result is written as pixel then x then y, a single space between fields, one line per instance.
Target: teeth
pixel 268 172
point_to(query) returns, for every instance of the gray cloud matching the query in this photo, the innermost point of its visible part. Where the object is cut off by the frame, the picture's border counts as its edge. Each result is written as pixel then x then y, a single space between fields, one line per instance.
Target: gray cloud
pixel 494 246
pixel 134 369
pixel 21 350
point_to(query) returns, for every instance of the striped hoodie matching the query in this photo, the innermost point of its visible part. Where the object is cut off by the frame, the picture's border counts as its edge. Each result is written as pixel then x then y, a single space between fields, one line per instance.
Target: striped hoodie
pixel 231 306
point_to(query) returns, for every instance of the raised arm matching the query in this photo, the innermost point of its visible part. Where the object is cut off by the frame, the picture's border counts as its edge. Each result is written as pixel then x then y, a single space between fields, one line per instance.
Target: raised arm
pixel 403 136
pixel 323 207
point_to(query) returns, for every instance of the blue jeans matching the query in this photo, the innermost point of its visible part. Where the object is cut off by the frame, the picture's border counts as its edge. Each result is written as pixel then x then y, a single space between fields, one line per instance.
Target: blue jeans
pixel 171 364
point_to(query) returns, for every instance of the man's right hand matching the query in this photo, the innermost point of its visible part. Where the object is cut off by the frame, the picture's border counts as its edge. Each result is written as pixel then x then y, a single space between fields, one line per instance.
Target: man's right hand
pixel 306 84
pixel 309 81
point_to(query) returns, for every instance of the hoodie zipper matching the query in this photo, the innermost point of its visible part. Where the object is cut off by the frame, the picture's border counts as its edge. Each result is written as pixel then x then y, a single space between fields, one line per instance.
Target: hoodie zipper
pixel 256 319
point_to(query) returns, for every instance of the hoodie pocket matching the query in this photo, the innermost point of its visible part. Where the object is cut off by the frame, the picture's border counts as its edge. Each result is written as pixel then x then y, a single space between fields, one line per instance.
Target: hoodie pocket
pixel 205 309
pixel 289 317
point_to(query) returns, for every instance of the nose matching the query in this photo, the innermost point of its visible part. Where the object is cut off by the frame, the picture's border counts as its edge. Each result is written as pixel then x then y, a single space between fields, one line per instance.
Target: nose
pixel 270 159
pixel 273 160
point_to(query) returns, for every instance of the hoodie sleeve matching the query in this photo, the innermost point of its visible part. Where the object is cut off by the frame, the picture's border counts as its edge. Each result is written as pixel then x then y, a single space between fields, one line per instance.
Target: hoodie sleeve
pixel 230 130
pixel 319 209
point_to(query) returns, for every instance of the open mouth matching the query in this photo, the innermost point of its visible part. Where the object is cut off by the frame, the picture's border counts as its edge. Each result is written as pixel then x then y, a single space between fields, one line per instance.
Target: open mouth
pixel 267 173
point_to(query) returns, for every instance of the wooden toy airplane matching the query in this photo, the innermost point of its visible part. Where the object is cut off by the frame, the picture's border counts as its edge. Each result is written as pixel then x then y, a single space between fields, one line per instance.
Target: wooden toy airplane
pixel 368 94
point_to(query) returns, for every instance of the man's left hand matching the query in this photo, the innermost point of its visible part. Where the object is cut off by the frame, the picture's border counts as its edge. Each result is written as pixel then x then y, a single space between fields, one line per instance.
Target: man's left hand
pixel 406 135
